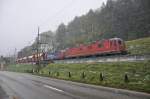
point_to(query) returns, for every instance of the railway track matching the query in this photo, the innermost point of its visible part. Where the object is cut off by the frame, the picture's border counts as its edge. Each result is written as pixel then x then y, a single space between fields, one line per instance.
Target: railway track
pixel 112 58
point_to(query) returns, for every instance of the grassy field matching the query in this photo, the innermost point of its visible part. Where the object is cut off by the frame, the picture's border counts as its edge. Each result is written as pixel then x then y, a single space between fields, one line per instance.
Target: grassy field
pixel 139 46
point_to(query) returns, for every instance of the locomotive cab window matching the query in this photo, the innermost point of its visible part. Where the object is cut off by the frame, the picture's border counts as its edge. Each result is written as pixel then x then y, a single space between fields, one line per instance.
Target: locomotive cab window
pixel 100 45
pixel 119 42
pixel 115 43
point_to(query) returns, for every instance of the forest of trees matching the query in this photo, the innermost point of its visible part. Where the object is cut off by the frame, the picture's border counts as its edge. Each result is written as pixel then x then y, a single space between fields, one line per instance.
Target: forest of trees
pixel 126 19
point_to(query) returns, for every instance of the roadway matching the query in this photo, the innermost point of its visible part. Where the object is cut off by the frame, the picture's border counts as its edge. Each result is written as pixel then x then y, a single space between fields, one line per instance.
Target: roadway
pixel 27 86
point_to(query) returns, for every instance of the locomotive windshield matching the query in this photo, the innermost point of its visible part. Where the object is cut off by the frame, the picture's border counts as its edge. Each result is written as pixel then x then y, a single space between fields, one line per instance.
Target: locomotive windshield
pixel 100 45
pixel 119 42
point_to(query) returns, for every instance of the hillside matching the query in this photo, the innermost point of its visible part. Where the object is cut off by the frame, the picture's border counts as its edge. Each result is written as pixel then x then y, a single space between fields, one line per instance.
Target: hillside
pixel 126 19
pixel 139 46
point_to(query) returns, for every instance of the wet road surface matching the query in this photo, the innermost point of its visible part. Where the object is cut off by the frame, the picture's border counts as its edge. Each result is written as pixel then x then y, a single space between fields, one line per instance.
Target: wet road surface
pixel 26 86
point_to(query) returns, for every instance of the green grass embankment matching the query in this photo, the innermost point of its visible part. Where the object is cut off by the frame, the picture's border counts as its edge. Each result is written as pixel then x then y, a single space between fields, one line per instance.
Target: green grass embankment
pixel 139 46
pixel 113 74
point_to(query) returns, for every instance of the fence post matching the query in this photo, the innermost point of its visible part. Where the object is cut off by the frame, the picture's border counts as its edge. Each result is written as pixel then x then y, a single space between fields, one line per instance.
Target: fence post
pixel 101 77
pixel 83 75
pixel 49 72
pixel 126 78
pixel 69 74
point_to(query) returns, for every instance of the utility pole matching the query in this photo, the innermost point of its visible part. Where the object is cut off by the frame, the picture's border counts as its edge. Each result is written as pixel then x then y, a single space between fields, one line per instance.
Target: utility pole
pixel 38 42
pixel 15 55
pixel 38 50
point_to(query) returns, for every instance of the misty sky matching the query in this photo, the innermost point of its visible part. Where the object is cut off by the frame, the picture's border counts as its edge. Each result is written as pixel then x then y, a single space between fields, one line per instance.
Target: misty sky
pixel 19 19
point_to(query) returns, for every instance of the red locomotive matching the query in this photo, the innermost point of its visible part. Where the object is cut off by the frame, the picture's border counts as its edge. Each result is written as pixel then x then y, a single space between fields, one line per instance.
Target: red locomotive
pixel 103 47
pixel 109 46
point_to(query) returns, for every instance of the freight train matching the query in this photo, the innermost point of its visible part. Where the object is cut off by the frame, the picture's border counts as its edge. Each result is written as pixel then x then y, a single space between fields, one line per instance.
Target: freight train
pixel 97 48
